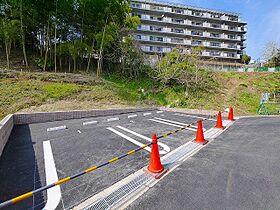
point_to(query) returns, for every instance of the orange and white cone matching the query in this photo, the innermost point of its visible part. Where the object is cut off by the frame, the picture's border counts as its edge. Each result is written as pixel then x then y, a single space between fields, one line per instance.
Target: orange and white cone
pixel 155 164
pixel 219 123
pixel 230 114
pixel 199 134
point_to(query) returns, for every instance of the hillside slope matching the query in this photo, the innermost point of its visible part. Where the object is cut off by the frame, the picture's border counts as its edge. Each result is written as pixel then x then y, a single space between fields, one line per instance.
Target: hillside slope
pixel 52 92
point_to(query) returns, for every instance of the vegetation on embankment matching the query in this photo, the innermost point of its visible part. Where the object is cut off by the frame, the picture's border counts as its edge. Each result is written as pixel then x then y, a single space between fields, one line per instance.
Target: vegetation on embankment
pixel 53 92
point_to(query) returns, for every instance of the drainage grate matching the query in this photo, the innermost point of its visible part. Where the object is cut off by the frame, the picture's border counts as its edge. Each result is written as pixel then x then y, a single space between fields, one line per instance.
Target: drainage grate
pixel 114 197
pixel 172 159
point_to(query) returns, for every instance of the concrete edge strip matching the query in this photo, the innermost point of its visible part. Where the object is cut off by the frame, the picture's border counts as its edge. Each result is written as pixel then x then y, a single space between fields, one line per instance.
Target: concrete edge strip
pixel 62 127
pixel 90 122
pixel 113 119
pixel 53 194
pixel 127 200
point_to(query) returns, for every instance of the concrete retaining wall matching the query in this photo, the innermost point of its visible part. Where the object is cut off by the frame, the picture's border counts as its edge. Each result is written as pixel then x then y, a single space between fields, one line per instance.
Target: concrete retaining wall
pixel 6 127
pixel 40 117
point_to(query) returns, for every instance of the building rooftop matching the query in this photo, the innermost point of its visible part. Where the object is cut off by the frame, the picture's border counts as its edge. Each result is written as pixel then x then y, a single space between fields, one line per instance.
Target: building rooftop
pixel 188 7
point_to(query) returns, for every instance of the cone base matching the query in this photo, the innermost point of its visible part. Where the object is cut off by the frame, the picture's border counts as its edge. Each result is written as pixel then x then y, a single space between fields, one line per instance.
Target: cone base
pixel 156 175
pixel 220 127
pixel 200 142
pixel 156 171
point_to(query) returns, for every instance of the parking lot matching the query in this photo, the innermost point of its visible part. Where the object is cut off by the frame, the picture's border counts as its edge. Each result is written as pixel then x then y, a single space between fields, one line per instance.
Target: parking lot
pixel 39 153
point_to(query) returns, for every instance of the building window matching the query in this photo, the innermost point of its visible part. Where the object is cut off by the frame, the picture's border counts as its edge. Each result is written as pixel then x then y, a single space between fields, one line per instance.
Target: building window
pixel 177 20
pixel 231 55
pixel 151 49
pixel 196 42
pixel 139 37
pixel 215 44
pixel 177 40
pixel 233 18
pixel 217 16
pixel 139 27
pixel 200 14
pixel 215 25
pixel 197 23
pixel 197 33
pixel 233 28
pixel 177 30
pixel 136 5
pixel 214 53
pixel 179 11
pixel 232 46
pixel 154 7
pixel 160 49
pixel 215 35
pixel 230 36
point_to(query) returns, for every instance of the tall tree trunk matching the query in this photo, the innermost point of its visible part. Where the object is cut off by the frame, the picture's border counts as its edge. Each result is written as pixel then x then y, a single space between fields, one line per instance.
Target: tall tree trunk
pixel 23 36
pixel 55 30
pixel 90 56
pixel 47 46
pixel 7 55
pixel 99 64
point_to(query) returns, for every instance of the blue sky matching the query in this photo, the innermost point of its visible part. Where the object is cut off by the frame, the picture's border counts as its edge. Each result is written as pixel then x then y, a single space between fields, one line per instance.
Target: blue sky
pixel 262 16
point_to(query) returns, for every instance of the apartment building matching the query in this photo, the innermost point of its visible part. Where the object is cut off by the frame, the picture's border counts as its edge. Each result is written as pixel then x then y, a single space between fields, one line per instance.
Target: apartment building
pixel 167 25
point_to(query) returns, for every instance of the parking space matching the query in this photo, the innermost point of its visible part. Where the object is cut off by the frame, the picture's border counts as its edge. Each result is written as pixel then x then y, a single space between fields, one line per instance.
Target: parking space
pixel 81 143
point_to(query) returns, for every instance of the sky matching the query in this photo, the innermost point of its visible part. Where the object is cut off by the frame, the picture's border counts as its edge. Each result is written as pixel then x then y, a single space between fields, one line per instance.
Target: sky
pixel 262 16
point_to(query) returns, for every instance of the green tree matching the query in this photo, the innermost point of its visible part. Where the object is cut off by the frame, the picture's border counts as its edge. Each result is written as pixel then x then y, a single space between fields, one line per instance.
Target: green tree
pixel 246 59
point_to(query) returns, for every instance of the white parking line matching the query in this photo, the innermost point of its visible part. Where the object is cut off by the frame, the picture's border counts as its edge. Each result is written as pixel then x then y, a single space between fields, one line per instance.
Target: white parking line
pixel 129 139
pixel 131 116
pixel 113 119
pixel 186 115
pixel 159 112
pixel 166 123
pixel 146 114
pixel 166 148
pixel 54 193
pixel 179 123
pixel 90 123
pixel 56 128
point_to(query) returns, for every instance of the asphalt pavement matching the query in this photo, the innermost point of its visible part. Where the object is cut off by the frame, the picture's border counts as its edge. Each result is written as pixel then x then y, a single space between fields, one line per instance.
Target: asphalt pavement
pixel 238 170
pixel 81 143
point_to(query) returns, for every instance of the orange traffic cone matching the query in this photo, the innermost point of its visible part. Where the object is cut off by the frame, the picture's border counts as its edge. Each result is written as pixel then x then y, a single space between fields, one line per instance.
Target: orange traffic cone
pixel 155 164
pixel 199 134
pixel 219 123
pixel 230 114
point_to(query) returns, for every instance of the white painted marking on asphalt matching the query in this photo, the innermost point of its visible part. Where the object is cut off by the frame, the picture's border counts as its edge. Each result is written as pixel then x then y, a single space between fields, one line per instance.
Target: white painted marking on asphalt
pixel 90 122
pixel 179 123
pixel 159 112
pixel 54 193
pixel 79 131
pixel 164 146
pixel 186 115
pixel 56 128
pixel 113 119
pixel 167 123
pixel 146 114
pixel 129 139
pixel 131 116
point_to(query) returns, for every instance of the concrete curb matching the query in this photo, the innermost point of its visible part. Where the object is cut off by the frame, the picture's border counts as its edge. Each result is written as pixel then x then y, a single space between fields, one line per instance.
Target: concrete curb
pixel 6 127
